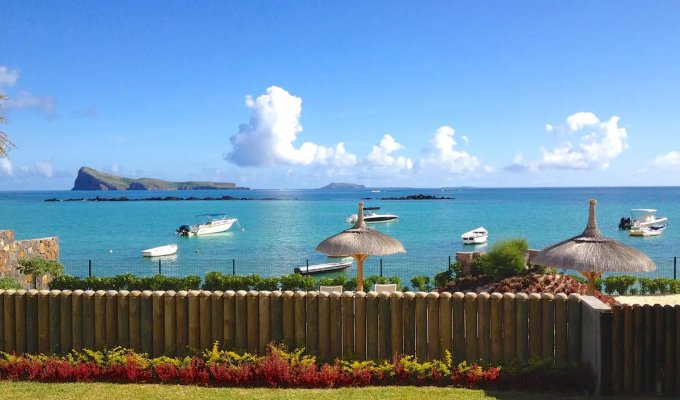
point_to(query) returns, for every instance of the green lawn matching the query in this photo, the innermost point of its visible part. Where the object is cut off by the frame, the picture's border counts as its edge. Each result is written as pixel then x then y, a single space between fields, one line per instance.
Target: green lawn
pixel 101 391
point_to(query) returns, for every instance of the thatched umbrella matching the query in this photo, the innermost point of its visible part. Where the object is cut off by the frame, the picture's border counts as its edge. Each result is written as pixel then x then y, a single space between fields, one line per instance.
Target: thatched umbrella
pixel 360 242
pixel 592 254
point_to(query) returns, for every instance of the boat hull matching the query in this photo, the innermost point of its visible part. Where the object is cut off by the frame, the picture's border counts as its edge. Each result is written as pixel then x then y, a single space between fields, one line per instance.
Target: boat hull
pixel 214 227
pixel 322 268
pixel 167 250
pixel 475 236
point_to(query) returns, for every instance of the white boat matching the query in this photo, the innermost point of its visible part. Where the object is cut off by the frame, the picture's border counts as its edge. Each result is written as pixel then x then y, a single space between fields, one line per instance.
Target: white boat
pixel 215 223
pixel 321 268
pixel 654 230
pixel 475 236
pixel 371 217
pixel 167 250
pixel 642 218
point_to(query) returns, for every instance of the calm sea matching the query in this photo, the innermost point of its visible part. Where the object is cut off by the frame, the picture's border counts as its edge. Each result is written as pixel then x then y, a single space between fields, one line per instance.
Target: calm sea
pixel 281 234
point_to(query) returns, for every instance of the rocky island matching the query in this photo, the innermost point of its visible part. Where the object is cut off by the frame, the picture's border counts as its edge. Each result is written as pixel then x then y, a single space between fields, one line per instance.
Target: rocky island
pixel 340 185
pixel 91 179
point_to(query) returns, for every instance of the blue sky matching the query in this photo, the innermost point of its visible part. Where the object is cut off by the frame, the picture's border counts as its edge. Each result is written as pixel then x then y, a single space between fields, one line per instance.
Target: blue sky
pixel 300 94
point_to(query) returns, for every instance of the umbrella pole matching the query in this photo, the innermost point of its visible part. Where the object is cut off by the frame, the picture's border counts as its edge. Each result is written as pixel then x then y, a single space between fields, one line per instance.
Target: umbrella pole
pixel 591 277
pixel 360 270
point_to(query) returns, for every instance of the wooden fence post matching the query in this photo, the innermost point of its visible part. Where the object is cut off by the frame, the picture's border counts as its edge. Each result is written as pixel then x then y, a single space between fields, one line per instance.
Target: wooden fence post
pixel 638 348
pixel 123 318
pixel 384 326
pixel 312 323
pixel 509 326
pixel 170 328
pixel 146 321
pixel 409 311
pixel 288 303
pixel 217 318
pixel 628 360
pixel 194 319
pixel 348 317
pixel 433 333
pixel 324 326
pixel 265 331
pixel 205 320
pixel 421 326
pixel 360 325
pixel 300 315
pixel 372 326
pixel 111 323
pixel 241 321
pixel 471 349
pixel 496 327
pixel 335 319
pixel 669 350
pixel 561 349
pixel 20 321
pixel 617 348
pixel 458 312
pixel 483 317
pixel 182 322
pixel 55 322
pixel 522 327
pixel 157 323
pixel 2 319
pixel 32 321
pixel 65 321
pixel 574 327
pixel 276 316
pixel 397 319
pixel 10 321
pixel 229 319
pixel 547 325
pixel 88 320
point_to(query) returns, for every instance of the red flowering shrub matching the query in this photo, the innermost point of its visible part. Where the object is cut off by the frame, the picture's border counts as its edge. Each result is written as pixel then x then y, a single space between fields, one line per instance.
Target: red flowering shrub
pixel 278 368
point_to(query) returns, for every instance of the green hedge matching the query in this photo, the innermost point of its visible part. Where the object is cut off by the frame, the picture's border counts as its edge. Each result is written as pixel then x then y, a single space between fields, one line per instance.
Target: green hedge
pixel 626 284
pixel 126 282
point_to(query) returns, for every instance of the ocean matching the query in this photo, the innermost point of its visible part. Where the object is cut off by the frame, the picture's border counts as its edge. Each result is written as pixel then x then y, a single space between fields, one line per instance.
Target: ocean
pixel 281 234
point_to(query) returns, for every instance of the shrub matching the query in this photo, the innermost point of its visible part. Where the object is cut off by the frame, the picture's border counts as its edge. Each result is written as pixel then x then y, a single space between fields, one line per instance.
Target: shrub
pixel 339 280
pixel 505 259
pixel 421 283
pixel 126 282
pixel 445 277
pixel 297 282
pixel 39 267
pixel 9 283
pixel 618 283
pixel 645 285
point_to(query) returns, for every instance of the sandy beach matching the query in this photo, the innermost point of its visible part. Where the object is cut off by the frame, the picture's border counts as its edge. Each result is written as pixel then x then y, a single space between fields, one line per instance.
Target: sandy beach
pixel 671 299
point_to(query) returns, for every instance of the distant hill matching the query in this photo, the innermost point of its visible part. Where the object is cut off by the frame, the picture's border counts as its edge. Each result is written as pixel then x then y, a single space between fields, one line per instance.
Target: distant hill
pixel 339 185
pixel 91 179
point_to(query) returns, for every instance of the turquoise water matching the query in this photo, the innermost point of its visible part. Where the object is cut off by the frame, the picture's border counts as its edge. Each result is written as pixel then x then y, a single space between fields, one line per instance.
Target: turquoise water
pixel 281 234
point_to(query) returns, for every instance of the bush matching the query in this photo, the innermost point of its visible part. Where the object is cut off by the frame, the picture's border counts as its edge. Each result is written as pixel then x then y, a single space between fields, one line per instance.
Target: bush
pixel 126 282
pixel 445 277
pixel 421 283
pixel 505 259
pixel 9 283
pixel 297 282
pixel 39 267
pixel 618 283
pixel 645 285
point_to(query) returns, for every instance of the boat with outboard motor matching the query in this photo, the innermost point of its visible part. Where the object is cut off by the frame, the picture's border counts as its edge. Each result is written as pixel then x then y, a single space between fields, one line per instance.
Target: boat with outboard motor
pixel 371 217
pixel 321 268
pixel 642 218
pixel 475 236
pixel 212 223
pixel 654 230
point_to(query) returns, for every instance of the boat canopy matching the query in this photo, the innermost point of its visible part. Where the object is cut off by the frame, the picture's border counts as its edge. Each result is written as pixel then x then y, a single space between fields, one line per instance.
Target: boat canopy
pixel 371 208
pixel 644 210
pixel 212 215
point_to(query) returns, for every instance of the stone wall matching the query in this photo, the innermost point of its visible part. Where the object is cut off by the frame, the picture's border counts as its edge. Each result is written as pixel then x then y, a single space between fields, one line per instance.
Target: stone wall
pixel 11 251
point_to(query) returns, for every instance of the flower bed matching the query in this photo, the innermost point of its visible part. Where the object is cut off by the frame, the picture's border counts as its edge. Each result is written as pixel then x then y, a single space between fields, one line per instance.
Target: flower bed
pixel 280 368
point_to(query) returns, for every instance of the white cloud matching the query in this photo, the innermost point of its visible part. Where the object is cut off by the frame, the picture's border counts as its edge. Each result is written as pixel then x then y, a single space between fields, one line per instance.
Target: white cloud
pixel 27 100
pixel 267 140
pixel 44 168
pixel 549 127
pixel 441 154
pixel 519 164
pixel 464 139
pixel 670 160
pixel 381 155
pixel 581 120
pixel 6 167
pixel 600 143
pixel 8 77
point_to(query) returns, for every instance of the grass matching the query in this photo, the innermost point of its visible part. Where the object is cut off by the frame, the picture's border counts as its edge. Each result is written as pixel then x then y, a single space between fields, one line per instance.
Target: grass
pixel 101 391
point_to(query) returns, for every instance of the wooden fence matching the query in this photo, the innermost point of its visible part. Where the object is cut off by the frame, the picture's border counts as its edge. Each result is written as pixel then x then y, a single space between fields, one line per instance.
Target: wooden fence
pixel 645 349
pixel 361 325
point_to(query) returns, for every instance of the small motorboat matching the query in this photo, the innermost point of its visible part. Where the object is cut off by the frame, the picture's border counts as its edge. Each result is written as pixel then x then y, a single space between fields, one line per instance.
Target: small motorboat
pixel 475 236
pixel 655 230
pixel 212 223
pixel 641 218
pixel 321 268
pixel 371 217
pixel 167 250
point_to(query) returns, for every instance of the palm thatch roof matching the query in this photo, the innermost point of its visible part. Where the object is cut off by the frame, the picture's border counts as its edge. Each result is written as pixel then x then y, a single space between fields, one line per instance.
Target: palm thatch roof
pixel 359 239
pixel 592 252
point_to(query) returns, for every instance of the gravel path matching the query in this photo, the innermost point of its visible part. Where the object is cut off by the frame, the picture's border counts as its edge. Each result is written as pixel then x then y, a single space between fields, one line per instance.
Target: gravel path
pixel 672 299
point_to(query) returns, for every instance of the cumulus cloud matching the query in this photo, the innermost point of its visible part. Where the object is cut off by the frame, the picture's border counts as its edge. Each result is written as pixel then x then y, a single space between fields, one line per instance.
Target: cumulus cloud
pixel 381 155
pixel 8 76
pixel 267 140
pixel 599 143
pixel 27 100
pixel 519 164
pixel 441 154
pixel 670 160
pixel 6 167
pixel 44 168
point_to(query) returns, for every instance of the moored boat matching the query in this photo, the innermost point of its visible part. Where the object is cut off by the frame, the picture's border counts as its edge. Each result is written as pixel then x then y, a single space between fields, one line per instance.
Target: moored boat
pixel 642 218
pixel 213 223
pixel 321 268
pixel 371 217
pixel 647 231
pixel 167 250
pixel 475 236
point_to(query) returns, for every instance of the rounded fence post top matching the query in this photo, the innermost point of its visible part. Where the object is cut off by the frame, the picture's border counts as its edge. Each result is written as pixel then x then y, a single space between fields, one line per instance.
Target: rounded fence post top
pixel 99 293
pixel 547 296
pixel 458 295
pixel 535 296
pixel 508 296
pixel 158 293
pixel 147 293
pixel 276 293
pixel 372 295
pixel 561 296
pixel 347 293
pixel 521 296
pixel 21 292
pixel 421 295
pixel 217 293
pixel 323 295
pixel 483 295
pixel 300 293
pixel 312 294
pixel 88 292
pixel 52 292
pixel 288 293
pixel 336 295
pixel 397 295
pixel 122 293
pixel 575 297
pixel 471 295
pixel 360 295
pixel 409 295
pixel 241 293
pixel 111 293
pixel 265 293
pixel 433 295
pixel 33 292
pixel 496 296
pixel 229 293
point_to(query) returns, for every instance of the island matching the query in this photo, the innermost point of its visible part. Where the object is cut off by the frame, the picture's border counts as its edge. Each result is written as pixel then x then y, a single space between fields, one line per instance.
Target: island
pixel 340 185
pixel 91 179
pixel 158 198
pixel 418 197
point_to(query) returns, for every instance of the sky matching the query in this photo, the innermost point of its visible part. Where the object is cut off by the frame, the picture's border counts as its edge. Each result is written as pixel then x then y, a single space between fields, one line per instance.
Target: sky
pixel 298 94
